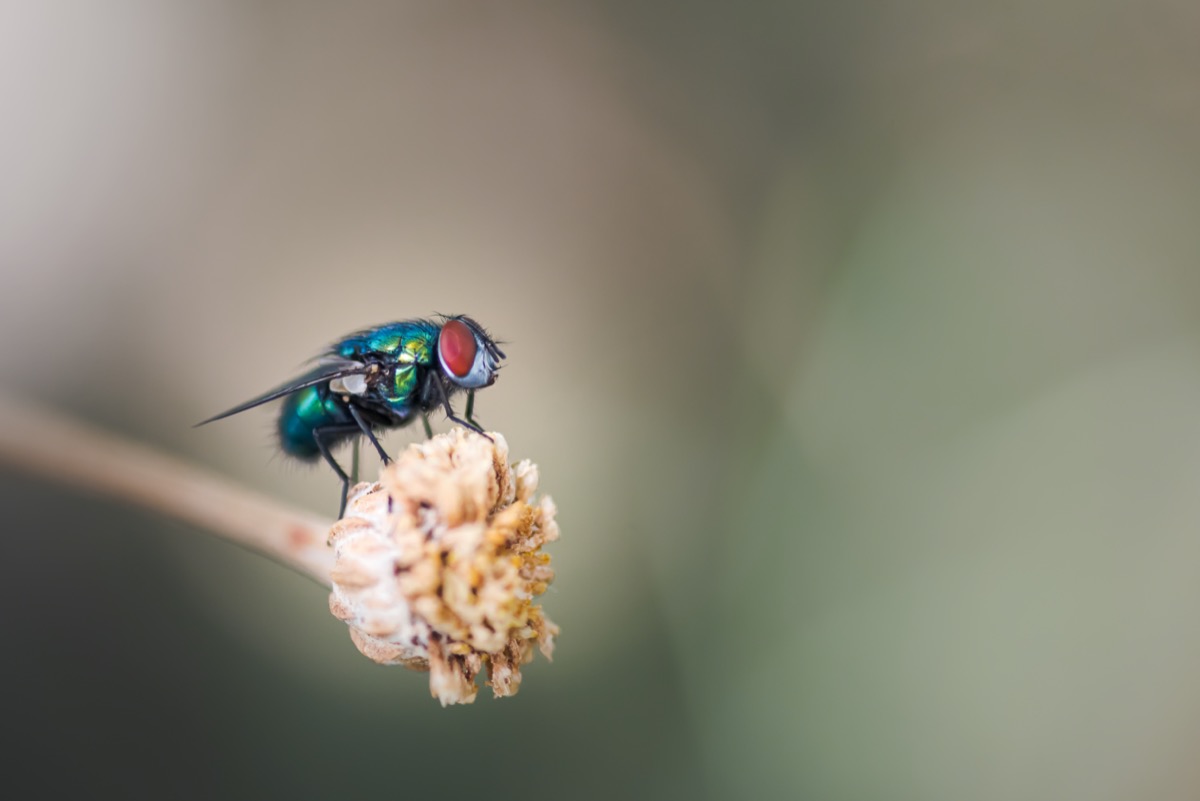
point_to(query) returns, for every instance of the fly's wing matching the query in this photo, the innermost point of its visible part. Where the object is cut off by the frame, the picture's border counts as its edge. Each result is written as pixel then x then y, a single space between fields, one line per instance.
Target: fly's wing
pixel 327 369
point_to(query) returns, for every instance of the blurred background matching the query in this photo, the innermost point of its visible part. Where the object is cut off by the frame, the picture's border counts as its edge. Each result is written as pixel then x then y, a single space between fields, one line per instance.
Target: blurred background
pixel 858 343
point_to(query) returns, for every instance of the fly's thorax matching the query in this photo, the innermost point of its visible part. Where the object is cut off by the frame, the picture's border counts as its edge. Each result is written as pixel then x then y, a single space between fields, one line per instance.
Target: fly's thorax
pixel 408 340
pixel 412 355
pixel 416 350
pixel 403 384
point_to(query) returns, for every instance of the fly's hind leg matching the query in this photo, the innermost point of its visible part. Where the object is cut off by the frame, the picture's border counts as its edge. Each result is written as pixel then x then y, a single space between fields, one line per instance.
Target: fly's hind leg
pixel 322 436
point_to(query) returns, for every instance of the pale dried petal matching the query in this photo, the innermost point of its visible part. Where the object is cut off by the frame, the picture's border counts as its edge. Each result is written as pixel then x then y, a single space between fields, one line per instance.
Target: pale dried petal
pixel 438 564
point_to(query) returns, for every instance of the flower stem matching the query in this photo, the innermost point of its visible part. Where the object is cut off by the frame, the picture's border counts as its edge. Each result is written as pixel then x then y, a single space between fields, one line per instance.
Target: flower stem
pixel 71 452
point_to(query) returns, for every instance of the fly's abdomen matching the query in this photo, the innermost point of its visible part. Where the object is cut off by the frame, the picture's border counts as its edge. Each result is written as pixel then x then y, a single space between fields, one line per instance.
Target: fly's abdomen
pixel 302 413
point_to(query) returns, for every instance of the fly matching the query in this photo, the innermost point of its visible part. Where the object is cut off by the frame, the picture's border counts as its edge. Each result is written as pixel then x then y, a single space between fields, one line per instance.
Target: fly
pixel 381 378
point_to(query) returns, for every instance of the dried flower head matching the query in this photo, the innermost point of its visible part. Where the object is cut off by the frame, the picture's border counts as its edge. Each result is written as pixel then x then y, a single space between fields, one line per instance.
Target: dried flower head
pixel 438 563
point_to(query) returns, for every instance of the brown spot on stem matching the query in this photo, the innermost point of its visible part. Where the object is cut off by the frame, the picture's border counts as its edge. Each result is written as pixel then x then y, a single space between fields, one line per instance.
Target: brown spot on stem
pixel 300 537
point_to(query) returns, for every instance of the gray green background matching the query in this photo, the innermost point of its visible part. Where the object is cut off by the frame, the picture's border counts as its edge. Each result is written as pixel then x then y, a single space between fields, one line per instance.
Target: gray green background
pixel 858 343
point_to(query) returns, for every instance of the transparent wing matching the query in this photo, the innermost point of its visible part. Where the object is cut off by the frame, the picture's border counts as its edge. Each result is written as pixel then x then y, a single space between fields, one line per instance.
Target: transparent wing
pixel 328 369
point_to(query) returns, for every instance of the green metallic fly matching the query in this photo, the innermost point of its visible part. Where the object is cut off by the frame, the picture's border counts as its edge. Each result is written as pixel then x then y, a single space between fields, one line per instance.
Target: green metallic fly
pixel 383 377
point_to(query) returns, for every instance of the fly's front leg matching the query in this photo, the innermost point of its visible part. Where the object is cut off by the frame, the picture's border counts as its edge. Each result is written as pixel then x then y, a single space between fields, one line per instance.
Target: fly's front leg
pixel 428 428
pixel 450 411
pixel 471 411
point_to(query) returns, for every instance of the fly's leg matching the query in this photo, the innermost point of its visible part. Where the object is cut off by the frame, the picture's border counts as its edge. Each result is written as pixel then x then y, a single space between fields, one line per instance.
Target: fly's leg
pixel 450 411
pixel 428 428
pixel 320 436
pixel 354 461
pixel 366 429
pixel 471 410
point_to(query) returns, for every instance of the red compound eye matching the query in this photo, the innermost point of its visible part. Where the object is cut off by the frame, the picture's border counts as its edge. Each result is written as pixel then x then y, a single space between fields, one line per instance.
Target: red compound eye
pixel 457 347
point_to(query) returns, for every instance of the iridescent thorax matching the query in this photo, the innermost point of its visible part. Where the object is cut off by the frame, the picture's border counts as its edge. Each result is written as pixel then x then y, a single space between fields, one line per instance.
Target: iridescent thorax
pixel 410 344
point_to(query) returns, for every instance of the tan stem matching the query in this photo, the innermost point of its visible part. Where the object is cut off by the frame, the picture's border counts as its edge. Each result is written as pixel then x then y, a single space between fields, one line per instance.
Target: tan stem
pixel 66 450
